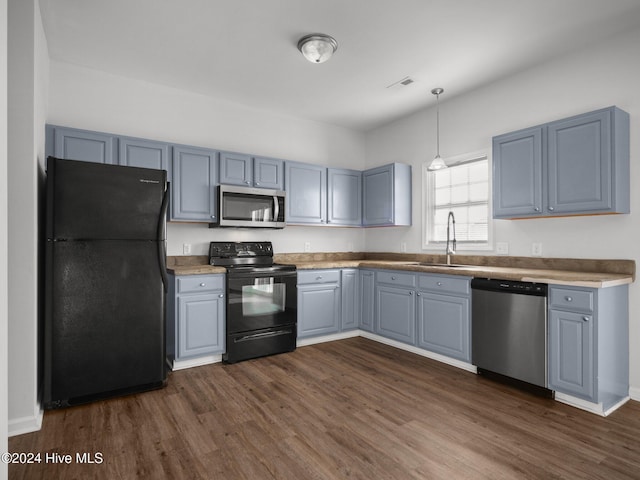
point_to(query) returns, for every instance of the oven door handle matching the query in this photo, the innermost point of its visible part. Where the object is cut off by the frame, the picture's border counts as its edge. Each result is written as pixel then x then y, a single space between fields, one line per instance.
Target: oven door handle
pixel 276 208
pixel 255 336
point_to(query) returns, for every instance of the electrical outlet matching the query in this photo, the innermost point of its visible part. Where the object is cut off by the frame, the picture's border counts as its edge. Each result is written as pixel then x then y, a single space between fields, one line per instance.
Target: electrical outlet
pixel 349 246
pixel 186 248
pixel 536 249
pixel 307 246
pixel 403 247
pixel 502 248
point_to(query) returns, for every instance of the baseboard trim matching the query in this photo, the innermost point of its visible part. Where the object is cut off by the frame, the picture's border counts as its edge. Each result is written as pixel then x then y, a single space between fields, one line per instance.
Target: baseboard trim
pixel 328 338
pixel 597 408
pixel 634 393
pixel 22 425
pixel 196 362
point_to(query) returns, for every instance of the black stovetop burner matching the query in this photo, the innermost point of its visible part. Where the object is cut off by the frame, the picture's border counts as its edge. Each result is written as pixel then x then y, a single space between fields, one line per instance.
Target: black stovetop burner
pixel 241 257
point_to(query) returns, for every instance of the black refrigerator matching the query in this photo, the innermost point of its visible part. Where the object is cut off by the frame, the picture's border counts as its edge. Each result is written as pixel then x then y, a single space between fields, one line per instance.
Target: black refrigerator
pixel 105 281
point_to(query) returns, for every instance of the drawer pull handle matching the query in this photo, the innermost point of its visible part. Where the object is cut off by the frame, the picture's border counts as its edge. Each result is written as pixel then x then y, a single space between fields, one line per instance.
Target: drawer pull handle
pixel 568 299
pixel 203 284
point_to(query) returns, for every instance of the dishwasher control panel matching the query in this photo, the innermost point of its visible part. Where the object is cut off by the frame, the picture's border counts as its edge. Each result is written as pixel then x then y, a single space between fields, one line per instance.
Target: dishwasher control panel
pixel 510 286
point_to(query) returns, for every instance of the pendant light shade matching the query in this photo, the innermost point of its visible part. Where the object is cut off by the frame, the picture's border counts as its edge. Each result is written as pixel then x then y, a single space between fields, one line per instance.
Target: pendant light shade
pixel 437 163
pixel 317 47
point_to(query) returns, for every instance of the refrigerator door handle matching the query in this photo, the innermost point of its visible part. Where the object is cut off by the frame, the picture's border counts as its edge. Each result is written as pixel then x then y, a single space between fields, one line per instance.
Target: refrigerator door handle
pixel 162 242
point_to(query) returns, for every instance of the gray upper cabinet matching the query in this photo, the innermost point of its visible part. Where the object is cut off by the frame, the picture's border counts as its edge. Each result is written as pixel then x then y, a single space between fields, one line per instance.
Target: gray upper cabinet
pixel 268 173
pixel 135 152
pixel 386 195
pixel 578 165
pixel 261 172
pixel 193 190
pixel 306 187
pixel 75 144
pixel 344 197
pixel 236 169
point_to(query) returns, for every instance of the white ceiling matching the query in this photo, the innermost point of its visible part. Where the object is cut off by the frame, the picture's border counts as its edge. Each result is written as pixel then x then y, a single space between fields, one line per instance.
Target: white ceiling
pixel 244 51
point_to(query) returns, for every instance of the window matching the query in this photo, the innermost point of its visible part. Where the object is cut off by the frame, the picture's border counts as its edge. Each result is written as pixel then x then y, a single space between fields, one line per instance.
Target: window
pixel 463 189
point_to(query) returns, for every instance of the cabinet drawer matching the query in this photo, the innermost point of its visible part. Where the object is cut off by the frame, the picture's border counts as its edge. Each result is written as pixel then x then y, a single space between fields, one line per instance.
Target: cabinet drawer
pixel 569 299
pixel 318 276
pixel 397 278
pixel 200 284
pixel 444 284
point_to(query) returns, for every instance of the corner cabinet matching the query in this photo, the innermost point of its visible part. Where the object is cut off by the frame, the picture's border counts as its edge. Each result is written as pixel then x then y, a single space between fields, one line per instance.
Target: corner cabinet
pixel 195 316
pixel 575 166
pixel 386 196
pixel 193 190
pixel 588 343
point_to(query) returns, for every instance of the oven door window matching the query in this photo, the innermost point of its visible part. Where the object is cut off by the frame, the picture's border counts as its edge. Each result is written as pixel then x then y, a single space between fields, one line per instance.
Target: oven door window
pixel 264 297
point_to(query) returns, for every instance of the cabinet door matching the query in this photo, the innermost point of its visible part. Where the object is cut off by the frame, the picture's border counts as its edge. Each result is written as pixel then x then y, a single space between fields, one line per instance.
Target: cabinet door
pixel 236 169
pixel 580 164
pixel 318 309
pixel 377 191
pixel 350 299
pixel 344 197
pixel 306 187
pixel 193 190
pixel 268 173
pixel 200 325
pixel 74 144
pixel 444 325
pixel 571 359
pixel 517 174
pixel 135 152
pixel 396 313
pixel 367 294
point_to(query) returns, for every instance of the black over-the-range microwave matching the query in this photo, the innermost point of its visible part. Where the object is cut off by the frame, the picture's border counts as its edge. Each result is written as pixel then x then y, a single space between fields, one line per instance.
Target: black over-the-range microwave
pixel 249 207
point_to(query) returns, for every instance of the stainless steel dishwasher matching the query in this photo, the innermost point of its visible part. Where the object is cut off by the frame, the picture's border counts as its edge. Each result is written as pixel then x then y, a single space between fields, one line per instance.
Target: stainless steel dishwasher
pixel 509 329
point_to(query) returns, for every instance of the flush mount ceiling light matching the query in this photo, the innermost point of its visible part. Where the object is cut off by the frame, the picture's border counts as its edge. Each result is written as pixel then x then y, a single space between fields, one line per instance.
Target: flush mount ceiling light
pixel 317 47
pixel 437 163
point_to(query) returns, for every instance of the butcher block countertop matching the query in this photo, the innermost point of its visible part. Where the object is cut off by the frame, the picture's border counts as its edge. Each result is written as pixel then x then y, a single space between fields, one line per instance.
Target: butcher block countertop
pixel 560 271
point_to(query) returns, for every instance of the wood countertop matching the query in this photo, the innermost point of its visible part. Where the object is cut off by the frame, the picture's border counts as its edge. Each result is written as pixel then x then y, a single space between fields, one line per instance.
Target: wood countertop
pixel 559 271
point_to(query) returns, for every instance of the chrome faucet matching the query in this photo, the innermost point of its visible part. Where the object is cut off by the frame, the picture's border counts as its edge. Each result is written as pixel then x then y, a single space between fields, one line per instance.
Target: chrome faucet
pixel 451 249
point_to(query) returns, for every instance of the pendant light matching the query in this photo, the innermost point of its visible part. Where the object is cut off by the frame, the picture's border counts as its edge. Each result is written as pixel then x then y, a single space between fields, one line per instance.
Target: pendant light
pixel 437 163
pixel 317 47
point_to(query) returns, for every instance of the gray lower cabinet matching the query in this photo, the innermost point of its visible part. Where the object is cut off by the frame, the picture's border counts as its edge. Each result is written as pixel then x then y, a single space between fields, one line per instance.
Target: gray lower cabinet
pixel 350 298
pixel 367 299
pixel 319 308
pixel 395 306
pixel 588 343
pixel 444 321
pixel 193 190
pixel 195 316
pixel 386 195
pixel 76 144
pixel 578 165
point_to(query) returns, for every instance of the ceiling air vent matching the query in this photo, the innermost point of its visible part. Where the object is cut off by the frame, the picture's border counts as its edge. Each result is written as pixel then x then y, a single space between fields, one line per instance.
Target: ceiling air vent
pixel 402 82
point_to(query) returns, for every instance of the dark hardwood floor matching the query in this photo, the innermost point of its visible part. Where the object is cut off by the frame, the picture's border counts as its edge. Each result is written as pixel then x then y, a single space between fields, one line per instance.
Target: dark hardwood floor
pixel 347 409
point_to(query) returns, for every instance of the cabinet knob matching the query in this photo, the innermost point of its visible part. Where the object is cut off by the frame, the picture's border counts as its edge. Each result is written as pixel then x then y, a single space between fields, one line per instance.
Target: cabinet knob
pixel 439 284
pixel 221 295
pixel 257 184
pixel 418 294
pixel 585 318
pixel 393 278
pixel 536 209
pixel 203 284
pixel 247 182
pixel 213 216
pixel 410 293
pixel 568 299
pixel 551 209
pixel 319 277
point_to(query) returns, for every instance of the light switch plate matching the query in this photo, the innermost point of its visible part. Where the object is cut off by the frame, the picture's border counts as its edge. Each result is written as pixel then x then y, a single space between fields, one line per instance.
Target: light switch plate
pixel 307 246
pixel 186 248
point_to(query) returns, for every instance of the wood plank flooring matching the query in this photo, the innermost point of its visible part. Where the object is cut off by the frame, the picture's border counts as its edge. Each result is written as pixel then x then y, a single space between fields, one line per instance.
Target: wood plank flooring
pixel 352 409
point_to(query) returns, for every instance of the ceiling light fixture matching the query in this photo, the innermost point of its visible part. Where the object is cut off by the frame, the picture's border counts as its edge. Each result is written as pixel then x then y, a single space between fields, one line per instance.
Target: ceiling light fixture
pixel 317 47
pixel 437 163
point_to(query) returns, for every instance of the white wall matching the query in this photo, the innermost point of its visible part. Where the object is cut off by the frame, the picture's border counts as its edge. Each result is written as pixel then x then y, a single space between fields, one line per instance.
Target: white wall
pixel 4 357
pixel 94 100
pixel 599 76
pixel 27 83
